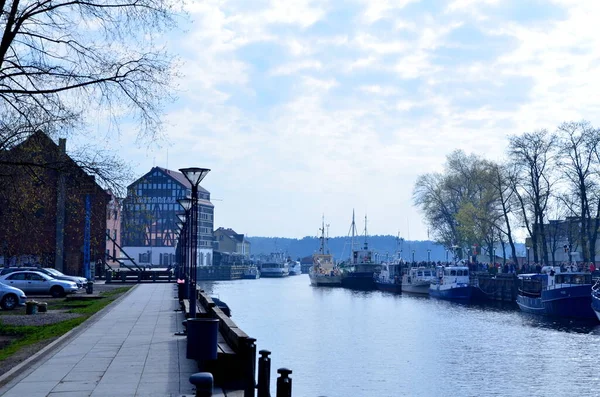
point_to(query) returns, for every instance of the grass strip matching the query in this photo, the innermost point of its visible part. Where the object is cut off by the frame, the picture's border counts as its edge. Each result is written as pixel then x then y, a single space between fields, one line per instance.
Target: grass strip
pixel 28 335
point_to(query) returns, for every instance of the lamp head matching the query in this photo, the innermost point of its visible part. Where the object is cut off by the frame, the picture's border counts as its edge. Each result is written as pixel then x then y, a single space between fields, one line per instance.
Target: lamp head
pixel 186 203
pixel 194 174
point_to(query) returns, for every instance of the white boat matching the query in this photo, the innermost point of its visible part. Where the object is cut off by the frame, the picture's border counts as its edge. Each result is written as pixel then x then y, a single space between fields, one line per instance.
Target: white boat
pixel 451 283
pixel 251 273
pixel 294 268
pixel 324 272
pixel 274 269
pixel 417 280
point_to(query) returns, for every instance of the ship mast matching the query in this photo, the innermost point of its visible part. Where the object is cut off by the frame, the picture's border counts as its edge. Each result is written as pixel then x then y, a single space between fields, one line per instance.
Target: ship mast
pixel 353 229
pixel 366 244
pixel 322 238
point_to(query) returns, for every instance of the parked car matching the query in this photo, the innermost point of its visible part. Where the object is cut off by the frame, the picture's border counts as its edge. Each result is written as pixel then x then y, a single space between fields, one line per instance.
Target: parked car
pixel 38 283
pixel 11 297
pixel 80 281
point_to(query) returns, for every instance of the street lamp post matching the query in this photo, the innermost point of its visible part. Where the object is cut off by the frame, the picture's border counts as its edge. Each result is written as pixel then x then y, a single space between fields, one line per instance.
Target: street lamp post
pixel 527 256
pixel 413 256
pixel 428 255
pixel 186 204
pixel 194 175
pixel 182 219
pixel 447 252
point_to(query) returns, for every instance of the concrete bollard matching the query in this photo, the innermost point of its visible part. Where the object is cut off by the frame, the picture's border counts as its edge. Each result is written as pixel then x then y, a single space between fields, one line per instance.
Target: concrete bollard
pixel 89 288
pixel 284 383
pixel 203 382
pixel 109 276
pixel 264 374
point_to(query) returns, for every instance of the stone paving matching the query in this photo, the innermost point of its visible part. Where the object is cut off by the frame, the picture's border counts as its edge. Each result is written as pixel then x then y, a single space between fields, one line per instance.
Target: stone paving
pixel 130 351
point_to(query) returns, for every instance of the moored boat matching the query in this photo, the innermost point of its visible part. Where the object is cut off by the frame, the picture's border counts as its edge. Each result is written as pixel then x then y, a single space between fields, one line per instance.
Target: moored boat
pixel 359 272
pixel 294 267
pixel 324 272
pixel 417 280
pixel 552 293
pixel 451 283
pixel 274 269
pixel 596 299
pixel 251 273
pixel 388 279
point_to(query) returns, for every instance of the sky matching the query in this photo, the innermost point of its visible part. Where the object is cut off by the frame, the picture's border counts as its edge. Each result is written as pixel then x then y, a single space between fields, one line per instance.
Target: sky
pixel 303 108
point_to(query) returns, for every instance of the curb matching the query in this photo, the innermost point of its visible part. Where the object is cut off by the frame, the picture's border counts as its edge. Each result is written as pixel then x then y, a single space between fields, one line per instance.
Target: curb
pixel 13 374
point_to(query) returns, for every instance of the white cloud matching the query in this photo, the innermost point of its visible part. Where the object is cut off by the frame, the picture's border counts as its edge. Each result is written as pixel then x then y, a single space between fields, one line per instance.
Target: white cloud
pixel 345 114
pixel 295 67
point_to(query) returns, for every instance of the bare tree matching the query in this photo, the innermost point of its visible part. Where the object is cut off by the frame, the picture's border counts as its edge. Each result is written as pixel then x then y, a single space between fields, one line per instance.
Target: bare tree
pixel 59 57
pixel 62 61
pixel 578 143
pixel 503 179
pixel 532 154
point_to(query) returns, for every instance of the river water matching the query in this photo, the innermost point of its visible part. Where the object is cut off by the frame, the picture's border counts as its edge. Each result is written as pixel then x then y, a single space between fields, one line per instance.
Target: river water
pixel 347 343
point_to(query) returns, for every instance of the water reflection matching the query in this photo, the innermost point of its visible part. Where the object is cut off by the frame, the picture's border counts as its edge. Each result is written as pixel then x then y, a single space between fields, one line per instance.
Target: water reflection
pixel 356 343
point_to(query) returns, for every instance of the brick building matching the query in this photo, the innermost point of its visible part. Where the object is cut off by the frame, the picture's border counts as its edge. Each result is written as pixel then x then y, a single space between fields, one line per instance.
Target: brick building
pixel 42 207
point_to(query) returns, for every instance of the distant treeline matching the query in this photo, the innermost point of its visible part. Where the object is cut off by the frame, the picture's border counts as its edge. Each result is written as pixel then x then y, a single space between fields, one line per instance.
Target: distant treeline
pixel 339 247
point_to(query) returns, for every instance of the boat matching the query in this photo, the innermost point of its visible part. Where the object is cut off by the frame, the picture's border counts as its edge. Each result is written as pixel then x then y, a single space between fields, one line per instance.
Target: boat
pixel 358 272
pixel 274 269
pixel 388 279
pixel 324 272
pixel 418 279
pixel 294 267
pixel 553 293
pixel 251 273
pixel 451 283
pixel 596 299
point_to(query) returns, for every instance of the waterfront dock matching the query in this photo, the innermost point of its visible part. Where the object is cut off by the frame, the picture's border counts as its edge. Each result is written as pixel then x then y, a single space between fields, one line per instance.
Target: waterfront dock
pixel 128 349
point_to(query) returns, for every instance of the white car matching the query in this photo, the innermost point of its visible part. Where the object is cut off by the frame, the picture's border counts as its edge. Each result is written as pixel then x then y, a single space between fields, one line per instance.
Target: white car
pixel 11 297
pixel 37 283
pixel 80 281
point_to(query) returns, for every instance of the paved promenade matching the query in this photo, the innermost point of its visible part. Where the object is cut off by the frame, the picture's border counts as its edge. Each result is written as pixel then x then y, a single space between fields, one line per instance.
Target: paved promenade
pixel 130 351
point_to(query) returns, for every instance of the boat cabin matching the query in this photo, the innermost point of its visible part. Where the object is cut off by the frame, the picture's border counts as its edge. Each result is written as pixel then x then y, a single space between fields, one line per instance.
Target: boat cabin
pixel 533 284
pixel 452 274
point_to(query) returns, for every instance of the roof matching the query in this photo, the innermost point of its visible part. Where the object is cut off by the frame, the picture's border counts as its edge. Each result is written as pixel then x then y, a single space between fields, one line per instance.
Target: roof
pixel 47 143
pixel 177 176
pixel 231 234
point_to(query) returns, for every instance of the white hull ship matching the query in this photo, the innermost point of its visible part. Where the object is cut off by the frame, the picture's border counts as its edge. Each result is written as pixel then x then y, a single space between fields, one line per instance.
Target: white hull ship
pixel 417 280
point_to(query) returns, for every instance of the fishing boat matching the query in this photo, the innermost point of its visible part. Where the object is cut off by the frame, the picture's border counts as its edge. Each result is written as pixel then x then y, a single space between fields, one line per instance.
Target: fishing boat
pixel 451 283
pixel 358 272
pixel 552 293
pixel 388 279
pixel 251 273
pixel 324 272
pixel 418 279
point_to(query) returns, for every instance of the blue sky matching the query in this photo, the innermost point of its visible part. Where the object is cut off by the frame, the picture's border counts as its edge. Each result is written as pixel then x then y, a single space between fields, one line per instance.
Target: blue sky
pixel 303 108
